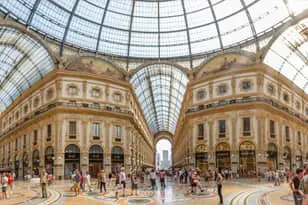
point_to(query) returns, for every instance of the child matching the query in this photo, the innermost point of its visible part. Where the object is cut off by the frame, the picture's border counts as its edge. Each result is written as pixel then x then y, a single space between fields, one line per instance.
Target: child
pixel 134 180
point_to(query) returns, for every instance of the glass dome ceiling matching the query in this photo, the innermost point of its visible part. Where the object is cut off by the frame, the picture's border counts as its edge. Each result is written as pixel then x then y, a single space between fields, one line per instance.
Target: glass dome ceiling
pixel 160 89
pixel 289 54
pixel 23 61
pixel 153 28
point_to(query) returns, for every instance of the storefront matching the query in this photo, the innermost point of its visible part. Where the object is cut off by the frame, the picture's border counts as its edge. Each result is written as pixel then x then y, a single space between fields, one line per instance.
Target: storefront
pixel 299 159
pixel 287 157
pixel 72 160
pixel 35 162
pixel 96 160
pixel 117 159
pixel 49 159
pixel 25 164
pixel 247 157
pixel 201 158
pixel 272 157
pixel 223 159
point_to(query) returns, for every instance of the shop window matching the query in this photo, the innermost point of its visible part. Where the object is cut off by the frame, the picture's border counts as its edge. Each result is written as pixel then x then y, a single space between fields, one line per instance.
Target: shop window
pixel 246 126
pixel 200 94
pixel 96 92
pixel 117 133
pixel 286 97
pixel 272 129
pixel 200 131
pixel 306 111
pixel 246 85
pixel 49 132
pixel 222 128
pixel 72 129
pixel 96 131
pixel 287 131
pixel 35 137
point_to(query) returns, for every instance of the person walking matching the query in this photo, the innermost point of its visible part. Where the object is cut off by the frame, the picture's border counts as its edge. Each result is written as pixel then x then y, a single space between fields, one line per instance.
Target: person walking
pixel 219 179
pixel 4 183
pixel 134 182
pixel 87 181
pixel 10 183
pixel 77 182
pixel 49 178
pixel 102 179
pixel 43 182
pixel 294 185
pixel 303 188
pixel 153 179
pixel 122 177
pixel 162 176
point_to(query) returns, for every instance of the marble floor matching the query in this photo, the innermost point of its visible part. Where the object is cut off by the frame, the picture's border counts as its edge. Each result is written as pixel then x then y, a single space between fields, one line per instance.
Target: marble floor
pixel 236 192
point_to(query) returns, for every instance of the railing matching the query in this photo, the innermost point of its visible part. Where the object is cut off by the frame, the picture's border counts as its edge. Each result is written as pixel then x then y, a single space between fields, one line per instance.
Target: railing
pixel 244 101
pixel 65 104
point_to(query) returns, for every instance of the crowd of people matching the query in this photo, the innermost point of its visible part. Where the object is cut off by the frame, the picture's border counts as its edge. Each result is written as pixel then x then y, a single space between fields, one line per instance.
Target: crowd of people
pixel 119 180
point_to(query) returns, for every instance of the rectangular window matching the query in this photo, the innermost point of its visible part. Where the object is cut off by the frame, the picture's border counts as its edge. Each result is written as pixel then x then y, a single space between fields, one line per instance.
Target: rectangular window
pixel 16 144
pixel 49 132
pixel 96 130
pixel 35 137
pixel 201 131
pixel 72 129
pixel 25 139
pixel 118 133
pixel 246 126
pixel 222 128
pixel 9 147
pixel 287 130
pixel 299 138
pixel 272 129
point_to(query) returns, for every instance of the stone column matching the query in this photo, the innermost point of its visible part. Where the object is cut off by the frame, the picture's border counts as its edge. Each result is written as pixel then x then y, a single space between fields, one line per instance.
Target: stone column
pixel 261 148
pixel 108 138
pixel 211 149
pixel 59 150
pixel 234 146
pixel 84 154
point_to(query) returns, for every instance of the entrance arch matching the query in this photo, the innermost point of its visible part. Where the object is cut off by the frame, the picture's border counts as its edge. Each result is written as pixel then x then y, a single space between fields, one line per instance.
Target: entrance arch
pixel 96 160
pixel 72 159
pixel 201 157
pixel 35 162
pixel 163 153
pixel 117 158
pixel 247 158
pixel 223 159
pixel 49 159
pixel 272 156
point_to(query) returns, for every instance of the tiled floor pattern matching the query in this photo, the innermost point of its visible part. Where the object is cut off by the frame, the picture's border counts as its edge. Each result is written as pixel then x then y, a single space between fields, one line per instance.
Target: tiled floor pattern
pixel 241 192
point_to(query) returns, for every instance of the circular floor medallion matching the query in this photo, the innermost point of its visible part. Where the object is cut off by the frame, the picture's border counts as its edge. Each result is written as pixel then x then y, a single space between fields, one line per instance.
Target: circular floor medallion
pixel 139 201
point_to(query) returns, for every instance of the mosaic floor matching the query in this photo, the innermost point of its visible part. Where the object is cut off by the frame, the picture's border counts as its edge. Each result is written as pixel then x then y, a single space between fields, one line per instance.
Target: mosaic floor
pixel 240 192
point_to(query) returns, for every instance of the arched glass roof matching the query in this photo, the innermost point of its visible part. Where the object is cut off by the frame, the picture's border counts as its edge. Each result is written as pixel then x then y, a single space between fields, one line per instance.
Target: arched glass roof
pixel 160 89
pixel 154 28
pixel 23 61
pixel 289 54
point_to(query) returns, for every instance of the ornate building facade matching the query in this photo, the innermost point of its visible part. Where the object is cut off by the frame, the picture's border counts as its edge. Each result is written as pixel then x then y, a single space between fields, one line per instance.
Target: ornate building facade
pixel 87 119
pixel 241 115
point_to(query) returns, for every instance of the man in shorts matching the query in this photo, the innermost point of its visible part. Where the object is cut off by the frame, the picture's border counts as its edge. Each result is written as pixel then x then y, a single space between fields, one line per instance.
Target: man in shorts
pixel 77 182
pixel 4 183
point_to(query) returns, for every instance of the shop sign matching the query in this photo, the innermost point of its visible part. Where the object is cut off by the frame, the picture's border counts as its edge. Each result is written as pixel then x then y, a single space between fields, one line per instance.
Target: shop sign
pixel 222 154
pixel 247 153
pixel 201 155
